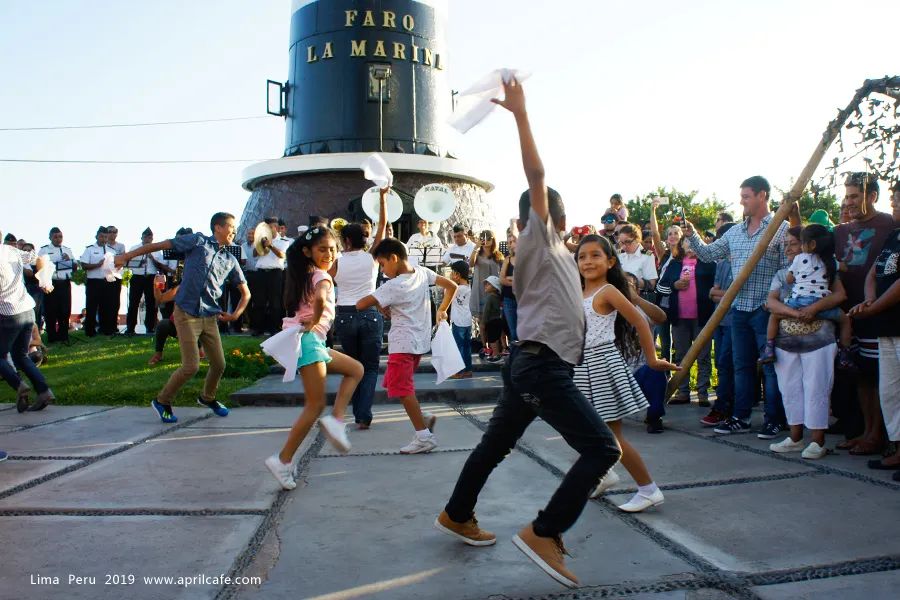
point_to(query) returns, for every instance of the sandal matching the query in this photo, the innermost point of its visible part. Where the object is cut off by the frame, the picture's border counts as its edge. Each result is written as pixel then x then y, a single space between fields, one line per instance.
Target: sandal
pixel 880 465
pixel 848 444
pixel 865 448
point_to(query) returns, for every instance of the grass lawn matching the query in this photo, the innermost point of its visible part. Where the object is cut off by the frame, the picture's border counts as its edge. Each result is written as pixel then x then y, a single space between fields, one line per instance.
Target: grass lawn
pixel 114 370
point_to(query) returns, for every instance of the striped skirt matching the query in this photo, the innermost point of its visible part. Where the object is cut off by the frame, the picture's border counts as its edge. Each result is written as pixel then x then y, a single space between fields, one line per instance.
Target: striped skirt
pixel 608 384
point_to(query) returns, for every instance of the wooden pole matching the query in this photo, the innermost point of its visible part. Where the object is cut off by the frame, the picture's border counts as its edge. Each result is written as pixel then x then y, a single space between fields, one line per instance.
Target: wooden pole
pixel 831 132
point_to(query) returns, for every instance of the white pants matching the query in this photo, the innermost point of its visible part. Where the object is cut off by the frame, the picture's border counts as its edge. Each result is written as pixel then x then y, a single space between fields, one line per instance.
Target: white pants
pixel 889 384
pixel 805 380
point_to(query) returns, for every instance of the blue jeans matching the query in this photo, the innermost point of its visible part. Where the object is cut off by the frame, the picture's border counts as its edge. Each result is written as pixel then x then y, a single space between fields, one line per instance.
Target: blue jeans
pixel 725 368
pixel 509 313
pixel 748 336
pixel 653 384
pixel 15 335
pixel 463 337
pixel 540 385
pixel 361 333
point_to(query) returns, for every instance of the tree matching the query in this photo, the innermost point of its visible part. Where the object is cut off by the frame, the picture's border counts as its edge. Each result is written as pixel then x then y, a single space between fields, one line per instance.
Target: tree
pixel 815 197
pixel 702 214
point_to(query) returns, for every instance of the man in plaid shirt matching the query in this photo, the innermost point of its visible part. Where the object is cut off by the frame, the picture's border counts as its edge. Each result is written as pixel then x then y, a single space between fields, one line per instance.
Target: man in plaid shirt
pixel 749 317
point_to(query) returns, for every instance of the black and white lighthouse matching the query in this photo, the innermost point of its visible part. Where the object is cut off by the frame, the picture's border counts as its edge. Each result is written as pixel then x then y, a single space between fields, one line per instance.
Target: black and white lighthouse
pixel 365 76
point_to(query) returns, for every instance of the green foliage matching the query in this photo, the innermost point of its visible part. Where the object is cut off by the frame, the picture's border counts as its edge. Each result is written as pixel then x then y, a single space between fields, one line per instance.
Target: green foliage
pixel 701 214
pixel 114 371
pixel 244 364
pixel 815 198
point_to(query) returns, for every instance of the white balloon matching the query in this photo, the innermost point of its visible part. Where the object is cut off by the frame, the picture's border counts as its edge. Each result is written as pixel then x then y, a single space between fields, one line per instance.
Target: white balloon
pixel 435 202
pixel 370 200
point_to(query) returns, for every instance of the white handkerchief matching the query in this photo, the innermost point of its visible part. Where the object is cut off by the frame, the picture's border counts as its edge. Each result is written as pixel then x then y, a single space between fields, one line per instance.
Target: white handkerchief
pixel 284 347
pixel 45 276
pixel 445 356
pixel 475 101
pixel 376 170
pixel 108 268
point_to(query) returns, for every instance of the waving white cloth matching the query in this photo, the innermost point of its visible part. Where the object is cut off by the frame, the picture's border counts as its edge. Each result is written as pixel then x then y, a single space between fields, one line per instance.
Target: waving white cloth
pixel 475 101
pixel 284 347
pixel 376 170
pixel 108 268
pixel 45 276
pixel 445 356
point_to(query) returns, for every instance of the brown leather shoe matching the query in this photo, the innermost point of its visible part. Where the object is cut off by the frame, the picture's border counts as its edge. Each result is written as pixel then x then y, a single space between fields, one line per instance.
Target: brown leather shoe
pixel 547 553
pixel 680 399
pixel 468 532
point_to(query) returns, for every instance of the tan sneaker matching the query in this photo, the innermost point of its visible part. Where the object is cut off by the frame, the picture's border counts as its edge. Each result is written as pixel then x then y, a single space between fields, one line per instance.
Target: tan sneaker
pixel 468 532
pixel 547 553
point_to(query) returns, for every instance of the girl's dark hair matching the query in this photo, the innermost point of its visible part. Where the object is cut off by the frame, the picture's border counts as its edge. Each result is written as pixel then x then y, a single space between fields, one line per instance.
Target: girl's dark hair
pixel 352 237
pixel 298 287
pixel 824 249
pixel 627 340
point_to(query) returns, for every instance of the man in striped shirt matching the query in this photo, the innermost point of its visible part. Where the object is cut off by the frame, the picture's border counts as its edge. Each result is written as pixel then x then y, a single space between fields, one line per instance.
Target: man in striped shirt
pixel 749 317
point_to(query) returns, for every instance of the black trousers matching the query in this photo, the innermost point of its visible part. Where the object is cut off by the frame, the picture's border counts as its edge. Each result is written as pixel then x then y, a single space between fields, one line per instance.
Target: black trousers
pixel 109 306
pixel 228 301
pixel 270 308
pixel 141 286
pixel 250 315
pixel 93 293
pixel 540 385
pixel 57 310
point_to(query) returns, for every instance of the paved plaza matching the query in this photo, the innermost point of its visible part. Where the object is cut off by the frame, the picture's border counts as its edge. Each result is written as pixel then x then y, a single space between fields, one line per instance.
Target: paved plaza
pixel 114 495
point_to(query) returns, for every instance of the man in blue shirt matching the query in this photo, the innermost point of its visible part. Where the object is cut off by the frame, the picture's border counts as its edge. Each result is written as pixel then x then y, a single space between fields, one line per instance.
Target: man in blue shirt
pixel 208 266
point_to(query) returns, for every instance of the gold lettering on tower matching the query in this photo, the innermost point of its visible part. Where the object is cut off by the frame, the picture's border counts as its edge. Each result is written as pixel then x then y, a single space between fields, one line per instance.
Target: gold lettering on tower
pixel 390 20
pixel 351 17
pixel 428 58
pixel 439 62
pixel 408 22
pixel 369 21
pixel 357 48
pixel 311 54
pixel 379 49
pixel 399 51
pixel 328 52
pixel 415 54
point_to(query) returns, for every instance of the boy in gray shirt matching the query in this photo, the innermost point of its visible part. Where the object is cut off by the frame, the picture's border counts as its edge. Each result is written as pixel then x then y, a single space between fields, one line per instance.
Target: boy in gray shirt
pixel 537 378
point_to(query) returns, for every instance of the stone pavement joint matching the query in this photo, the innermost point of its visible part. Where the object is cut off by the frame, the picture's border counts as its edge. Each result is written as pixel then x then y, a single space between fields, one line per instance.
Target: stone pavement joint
pixel 719 482
pixel 850 567
pixel 438 450
pixel 245 560
pixel 129 512
pixel 86 461
pixel 722 439
pixel 669 584
pixel 661 540
pixel 64 419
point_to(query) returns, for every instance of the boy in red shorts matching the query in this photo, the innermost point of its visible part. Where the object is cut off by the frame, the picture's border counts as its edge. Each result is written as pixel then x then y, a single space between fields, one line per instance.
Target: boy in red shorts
pixel 407 295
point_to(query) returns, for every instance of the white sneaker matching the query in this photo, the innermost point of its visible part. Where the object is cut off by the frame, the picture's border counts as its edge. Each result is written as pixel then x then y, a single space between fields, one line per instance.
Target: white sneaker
pixel 430 420
pixel 814 451
pixel 640 502
pixel 609 480
pixel 787 445
pixel 336 432
pixel 419 445
pixel 282 472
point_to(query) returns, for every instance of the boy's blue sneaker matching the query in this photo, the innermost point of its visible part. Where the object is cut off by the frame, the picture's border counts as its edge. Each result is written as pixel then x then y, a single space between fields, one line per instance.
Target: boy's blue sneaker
pixel 164 411
pixel 217 407
pixel 3 455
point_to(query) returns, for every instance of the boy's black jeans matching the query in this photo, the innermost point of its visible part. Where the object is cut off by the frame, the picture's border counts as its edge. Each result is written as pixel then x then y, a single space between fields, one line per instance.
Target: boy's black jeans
pixel 551 395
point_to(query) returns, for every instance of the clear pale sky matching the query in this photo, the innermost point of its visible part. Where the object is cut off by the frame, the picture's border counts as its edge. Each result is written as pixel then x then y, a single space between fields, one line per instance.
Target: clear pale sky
pixel 624 97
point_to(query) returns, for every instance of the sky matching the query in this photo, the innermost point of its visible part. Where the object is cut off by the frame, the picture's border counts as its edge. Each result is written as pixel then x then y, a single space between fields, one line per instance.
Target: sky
pixel 624 97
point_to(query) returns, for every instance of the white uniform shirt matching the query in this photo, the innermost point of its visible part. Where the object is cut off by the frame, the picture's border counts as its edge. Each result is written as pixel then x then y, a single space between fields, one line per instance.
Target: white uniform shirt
pixel 455 253
pixel 408 297
pixel 426 246
pixel 638 263
pixel 143 265
pixel 63 266
pixel 270 261
pixel 247 255
pixel 94 254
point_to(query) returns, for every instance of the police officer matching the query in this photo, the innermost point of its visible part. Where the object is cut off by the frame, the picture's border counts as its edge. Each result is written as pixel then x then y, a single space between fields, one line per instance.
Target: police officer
pixel 270 273
pixel 58 303
pixel 91 260
pixel 248 264
pixel 112 289
pixel 143 269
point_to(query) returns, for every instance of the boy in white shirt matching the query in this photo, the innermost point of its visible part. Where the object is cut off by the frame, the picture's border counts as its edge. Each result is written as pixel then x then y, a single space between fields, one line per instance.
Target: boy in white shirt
pixel 407 295
pixel 461 317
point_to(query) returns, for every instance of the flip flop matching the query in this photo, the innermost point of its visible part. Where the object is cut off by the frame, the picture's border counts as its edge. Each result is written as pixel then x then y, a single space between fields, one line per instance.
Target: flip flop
pixel 879 465
pixel 847 445
pixel 865 449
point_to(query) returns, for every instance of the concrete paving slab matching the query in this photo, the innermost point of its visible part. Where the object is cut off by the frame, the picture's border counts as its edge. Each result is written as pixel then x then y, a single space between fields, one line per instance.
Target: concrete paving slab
pixel 871 586
pixel 92 434
pixel 780 525
pixel 139 546
pixel 14 473
pixel 380 513
pixel 272 391
pixel 391 430
pixel 6 406
pixel 15 419
pixel 190 469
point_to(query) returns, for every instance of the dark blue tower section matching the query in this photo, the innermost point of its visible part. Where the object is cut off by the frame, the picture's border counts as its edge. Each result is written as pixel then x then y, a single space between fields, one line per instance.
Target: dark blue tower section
pixel 367 76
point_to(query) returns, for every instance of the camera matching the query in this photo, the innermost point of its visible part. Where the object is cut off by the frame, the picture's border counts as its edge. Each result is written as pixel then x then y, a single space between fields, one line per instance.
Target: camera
pixel 581 231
